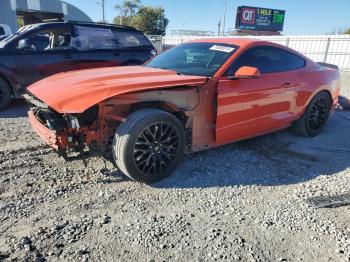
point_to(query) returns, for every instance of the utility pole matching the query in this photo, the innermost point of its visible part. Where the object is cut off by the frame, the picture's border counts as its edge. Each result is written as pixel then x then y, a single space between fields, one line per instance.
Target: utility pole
pixel 224 23
pixel 103 11
pixel 219 25
pixel 102 3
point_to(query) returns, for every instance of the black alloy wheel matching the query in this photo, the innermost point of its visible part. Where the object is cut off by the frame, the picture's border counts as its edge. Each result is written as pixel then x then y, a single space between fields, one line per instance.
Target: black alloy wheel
pixel 319 113
pixel 315 117
pixel 156 148
pixel 149 145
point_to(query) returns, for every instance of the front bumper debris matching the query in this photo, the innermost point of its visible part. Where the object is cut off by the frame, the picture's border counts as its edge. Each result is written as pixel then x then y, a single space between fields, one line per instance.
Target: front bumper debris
pixel 57 142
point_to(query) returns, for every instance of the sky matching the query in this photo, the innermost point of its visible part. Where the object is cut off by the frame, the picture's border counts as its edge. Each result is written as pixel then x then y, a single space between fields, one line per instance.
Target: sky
pixel 302 16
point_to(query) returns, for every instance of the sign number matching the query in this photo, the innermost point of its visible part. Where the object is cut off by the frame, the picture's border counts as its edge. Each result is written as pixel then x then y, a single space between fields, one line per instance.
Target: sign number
pixel 278 18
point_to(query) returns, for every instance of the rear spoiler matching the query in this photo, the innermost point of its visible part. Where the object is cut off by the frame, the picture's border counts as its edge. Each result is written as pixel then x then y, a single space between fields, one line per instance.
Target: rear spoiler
pixel 328 65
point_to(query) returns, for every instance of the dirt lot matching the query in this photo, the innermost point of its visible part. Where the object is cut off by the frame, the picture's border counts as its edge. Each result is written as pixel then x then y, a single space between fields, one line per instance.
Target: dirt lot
pixel 279 197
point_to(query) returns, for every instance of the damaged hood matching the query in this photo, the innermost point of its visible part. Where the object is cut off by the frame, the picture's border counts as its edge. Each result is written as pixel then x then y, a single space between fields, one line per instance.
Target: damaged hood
pixel 76 91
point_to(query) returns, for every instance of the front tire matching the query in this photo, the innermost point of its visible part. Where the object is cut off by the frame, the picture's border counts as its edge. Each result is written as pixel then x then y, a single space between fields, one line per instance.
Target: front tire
pixel 5 94
pixel 149 145
pixel 315 117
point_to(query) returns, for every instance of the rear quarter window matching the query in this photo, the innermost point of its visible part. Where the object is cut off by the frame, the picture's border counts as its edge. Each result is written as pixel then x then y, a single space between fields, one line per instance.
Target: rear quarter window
pixel 92 38
pixel 294 62
pixel 2 31
pixel 131 39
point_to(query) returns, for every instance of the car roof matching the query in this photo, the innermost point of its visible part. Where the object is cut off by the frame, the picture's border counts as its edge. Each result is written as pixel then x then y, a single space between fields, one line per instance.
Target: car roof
pixel 239 41
pixel 92 24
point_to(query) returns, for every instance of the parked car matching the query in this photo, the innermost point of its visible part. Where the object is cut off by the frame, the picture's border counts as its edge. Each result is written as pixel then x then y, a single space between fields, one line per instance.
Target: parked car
pixel 5 31
pixel 195 96
pixel 41 50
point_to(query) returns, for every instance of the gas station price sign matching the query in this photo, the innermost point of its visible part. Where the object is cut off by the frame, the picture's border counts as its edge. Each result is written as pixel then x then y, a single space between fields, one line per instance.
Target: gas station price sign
pixel 261 19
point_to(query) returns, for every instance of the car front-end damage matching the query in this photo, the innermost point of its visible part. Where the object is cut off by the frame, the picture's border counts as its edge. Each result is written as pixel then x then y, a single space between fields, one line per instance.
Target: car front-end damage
pixel 82 111
pixel 93 129
pixel 45 130
pixel 64 132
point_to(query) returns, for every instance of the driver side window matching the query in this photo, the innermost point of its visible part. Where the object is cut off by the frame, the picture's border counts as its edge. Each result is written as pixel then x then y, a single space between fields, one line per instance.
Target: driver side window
pixel 268 60
pixel 46 40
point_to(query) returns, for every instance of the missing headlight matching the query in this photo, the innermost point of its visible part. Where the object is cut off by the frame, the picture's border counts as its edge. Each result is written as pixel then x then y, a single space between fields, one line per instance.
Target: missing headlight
pixel 72 122
pixel 88 116
pixel 52 120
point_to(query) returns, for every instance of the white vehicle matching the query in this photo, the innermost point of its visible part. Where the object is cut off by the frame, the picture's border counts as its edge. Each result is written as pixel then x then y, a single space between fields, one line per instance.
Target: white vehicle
pixel 5 31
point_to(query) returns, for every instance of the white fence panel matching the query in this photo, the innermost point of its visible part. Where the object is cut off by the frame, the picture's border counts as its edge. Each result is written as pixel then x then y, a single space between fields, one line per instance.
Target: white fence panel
pixel 157 42
pixel 333 49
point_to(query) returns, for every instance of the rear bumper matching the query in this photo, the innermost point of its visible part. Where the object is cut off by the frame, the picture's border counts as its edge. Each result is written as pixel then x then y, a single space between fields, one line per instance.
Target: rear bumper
pixel 57 142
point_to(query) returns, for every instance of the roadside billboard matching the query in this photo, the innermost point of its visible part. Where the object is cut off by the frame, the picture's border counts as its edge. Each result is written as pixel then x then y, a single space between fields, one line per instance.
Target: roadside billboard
pixel 260 19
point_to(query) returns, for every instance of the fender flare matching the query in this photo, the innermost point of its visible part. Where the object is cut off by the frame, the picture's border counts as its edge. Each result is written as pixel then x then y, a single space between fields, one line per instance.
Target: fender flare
pixel 313 94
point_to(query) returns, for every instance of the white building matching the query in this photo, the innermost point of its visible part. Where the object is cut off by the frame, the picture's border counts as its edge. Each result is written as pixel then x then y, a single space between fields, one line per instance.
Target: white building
pixel 36 11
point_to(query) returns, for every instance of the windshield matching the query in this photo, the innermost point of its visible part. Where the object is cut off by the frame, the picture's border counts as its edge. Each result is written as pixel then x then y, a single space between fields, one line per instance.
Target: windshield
pixel 202 59
pixel 20 31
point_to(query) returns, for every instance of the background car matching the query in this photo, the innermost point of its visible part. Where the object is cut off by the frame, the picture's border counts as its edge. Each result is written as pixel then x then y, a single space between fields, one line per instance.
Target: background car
pixel 40 50
pixel 5 31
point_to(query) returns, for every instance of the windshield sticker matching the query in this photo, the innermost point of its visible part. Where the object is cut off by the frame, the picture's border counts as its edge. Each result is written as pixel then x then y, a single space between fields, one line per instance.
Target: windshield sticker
pixel 222 48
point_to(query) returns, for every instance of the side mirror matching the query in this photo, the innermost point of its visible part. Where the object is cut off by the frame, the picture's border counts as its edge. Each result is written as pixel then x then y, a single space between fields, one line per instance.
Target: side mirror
pixel 246 72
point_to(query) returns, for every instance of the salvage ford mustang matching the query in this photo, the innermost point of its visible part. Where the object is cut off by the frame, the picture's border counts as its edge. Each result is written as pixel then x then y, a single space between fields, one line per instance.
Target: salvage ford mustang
pixel 195 96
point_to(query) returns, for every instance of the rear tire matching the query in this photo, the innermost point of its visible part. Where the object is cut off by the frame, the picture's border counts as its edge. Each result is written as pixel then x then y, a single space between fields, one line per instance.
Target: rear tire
pixel 315 117
pixel 5 94
pixel 149 145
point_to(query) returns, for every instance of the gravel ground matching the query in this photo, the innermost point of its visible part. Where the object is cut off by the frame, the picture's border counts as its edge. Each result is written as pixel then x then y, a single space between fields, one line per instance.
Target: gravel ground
pixel 279 197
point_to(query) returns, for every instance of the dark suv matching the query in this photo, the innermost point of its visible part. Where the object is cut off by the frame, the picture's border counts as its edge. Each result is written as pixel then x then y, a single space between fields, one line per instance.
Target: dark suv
pixel 40 50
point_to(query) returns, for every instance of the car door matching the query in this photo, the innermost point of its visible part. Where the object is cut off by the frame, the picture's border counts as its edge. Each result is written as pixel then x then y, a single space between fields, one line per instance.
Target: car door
pixel 43 53
pixel 98 47
pixel 250 107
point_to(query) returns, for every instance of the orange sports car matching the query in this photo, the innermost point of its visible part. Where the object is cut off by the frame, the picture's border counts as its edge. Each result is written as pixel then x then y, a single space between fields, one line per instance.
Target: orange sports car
pixel 195 96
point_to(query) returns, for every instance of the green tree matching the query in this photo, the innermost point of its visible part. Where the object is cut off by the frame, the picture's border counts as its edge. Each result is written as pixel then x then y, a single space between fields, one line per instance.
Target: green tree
pixel 127 11
pixel 347 31
pixel 20 21
pixel 150 20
